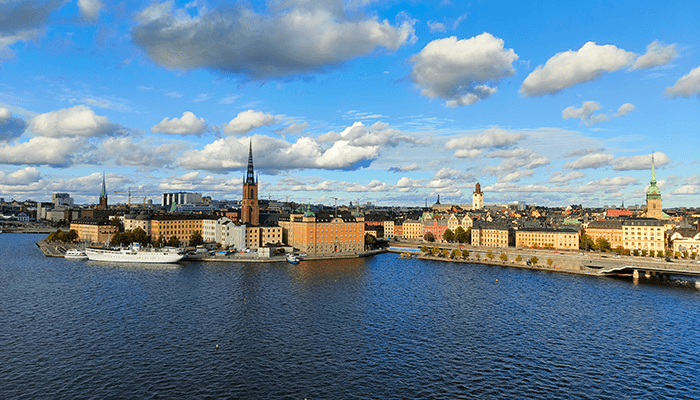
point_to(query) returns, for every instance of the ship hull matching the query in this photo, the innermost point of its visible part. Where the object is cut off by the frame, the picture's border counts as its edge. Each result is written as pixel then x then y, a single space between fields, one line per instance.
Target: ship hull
pixel 132 256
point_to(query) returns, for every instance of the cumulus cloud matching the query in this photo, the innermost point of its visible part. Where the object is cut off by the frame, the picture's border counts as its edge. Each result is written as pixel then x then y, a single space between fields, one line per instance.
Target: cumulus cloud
pixel 42 151
pixel 23 176
pixel 657 54
pixel 90 9
pixel 359 134
pixel 598 160
pixel 436 26
pixel 10 127
pixel 406 168
pixel 685 189
pixel 559 177
pixel 516 176
pixel 467 146
pixel 570 68
pixel 248 120
pixel 188 124
pixel 686 86
pixel 22 21
pixel 292 38
pixel 642 162
pixel 587 110
pixel 74 121
pixel 293 129
pixel 462 72
pixel 143 154
pixel 515 160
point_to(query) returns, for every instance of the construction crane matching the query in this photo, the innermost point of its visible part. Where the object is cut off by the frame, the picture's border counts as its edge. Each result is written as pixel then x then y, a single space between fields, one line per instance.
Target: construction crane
pixel 128 192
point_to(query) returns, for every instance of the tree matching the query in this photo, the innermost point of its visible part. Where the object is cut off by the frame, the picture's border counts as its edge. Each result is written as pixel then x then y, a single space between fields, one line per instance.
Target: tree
pixel 518 258
pixel 448 236
pixel 504 257
pixel 465 253
pixel 72 236
pixel 643 253
pixel 490 255
pixel 435 251
pixel 469 235
pixel 196 239
pixel 118 223
pixel 429 237
pixel 676 254
pixel 369 239
pixel 585 242
pixel 548 246
pixel 174 241
pixel 635 252
pixel 160 242
pixel 620 250
pixel 456 254
pixel 425 249
pixel 669 253
pixel 218 245
pixel 477 256
pixel 460 235
pixel 445 253
pixel 601 244
pixel 533 260
pixel 140 236
pixel 549 262
pixel 121 239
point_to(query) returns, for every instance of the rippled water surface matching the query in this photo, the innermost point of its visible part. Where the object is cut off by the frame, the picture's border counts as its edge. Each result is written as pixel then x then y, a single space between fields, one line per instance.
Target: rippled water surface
pixel 378 328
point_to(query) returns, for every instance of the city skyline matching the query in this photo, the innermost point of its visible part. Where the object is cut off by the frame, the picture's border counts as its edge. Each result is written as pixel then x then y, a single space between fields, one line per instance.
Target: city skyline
pixel 382 101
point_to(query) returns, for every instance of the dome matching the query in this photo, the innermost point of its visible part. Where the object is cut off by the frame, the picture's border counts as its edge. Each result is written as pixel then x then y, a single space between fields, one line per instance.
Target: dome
pixel 130 216
pixel 143 217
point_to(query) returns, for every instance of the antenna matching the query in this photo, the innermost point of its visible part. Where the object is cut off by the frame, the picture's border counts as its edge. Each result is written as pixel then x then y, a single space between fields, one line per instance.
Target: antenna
pixel 336 205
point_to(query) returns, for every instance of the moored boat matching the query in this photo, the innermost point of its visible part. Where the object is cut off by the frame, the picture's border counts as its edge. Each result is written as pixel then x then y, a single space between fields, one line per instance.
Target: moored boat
pixel 75 254
pixel 136 254
pixel 292 259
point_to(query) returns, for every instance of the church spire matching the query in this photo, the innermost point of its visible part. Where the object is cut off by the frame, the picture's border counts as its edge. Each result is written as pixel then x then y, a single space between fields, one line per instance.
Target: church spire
pixel 653 171
pixel 103 193
pixel 250 176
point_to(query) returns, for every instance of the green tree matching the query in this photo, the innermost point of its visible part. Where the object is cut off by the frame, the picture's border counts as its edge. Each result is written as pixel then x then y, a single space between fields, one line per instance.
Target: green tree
pixel 425 249
pixel 174 241
pixel 448 236
pixel 218 245
pixel 429 237
pixel 477 256
pixel 693 255
pixel 490 255
pixel 518 258
pixel 549 262
pixel 117 223
pixel 635 252
pixel 456 254
pixel 122 239
pixel 196 239
pixel 548 246
pixel 643 253
pixel 435 251
pixel 445 253
pixel 620 250
pixel 465 253
pixel 585 242
pixel 469 235
pixel 685 254
pixel 601 244
pixel 139 235
pixel 669 253
pixel 460 235
pixel 369 239
pixel 533 260
pixel 504 257
pixel 676 254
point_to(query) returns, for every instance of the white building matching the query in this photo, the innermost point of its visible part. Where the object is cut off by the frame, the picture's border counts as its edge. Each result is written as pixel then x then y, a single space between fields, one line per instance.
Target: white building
pixel 181 198
pixel 61 199
pixel 224 231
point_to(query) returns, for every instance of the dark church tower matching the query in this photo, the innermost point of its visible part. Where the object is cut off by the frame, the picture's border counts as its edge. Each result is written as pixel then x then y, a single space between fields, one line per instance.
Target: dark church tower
pixel 103 195
pixel 250 210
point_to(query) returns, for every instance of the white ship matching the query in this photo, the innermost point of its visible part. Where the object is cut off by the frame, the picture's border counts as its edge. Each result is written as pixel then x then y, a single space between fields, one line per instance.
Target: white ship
pixel 136 254
pixel 75 254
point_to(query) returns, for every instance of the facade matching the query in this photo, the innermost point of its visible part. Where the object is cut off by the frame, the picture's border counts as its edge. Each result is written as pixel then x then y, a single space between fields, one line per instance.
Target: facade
pixel 133 221
pixel 94 230
pixel 181 198
pixel 263 236
pixel 412 229
pixel 492 235
pixel 389 229
pixel 685 241
pixel 224 231
pixel 610 230
pixel 477 198
pixel 61 199
pixel 250 208
pixel 643 234
pixel 180 226
pixel 437 225
pixel 325 233
pixel 558 239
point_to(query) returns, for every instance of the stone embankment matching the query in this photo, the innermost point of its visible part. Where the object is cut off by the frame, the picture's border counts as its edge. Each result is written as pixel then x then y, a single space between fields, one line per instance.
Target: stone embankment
pixel 56 249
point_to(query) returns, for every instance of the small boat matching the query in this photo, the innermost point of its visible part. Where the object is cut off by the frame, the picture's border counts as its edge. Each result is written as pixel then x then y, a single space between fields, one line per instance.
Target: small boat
pixel 75 254
pixel 292 259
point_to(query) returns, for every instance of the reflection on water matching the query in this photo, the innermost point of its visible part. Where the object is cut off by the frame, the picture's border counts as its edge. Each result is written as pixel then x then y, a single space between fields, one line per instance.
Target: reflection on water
pixel 379 328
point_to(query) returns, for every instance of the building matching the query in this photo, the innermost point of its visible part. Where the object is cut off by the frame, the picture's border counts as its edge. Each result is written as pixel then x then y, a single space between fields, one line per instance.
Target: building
pixel 412 229
pixel 263 236
pixel 477 198
pixel 325 233
pixel 654 197
pixel 685 241
pixel 61 199
pixel 178 225
pixel 643 234
pixel 558 239
pixel 389 229
pixel 610 230
pixel 133 221
pixel 94 230
pixel 103 195
pixel 225 231
pixel 181 198
pixel 250 208
pixel 492 234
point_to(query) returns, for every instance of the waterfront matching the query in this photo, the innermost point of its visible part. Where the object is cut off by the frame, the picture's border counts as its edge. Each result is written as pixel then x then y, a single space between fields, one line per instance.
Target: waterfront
pixel 376 328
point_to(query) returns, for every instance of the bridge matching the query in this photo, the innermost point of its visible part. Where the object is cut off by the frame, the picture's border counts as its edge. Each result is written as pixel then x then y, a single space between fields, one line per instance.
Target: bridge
pixel 636 265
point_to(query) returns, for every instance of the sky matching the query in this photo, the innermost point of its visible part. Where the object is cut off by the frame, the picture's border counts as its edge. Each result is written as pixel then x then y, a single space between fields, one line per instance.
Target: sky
pixel 390 102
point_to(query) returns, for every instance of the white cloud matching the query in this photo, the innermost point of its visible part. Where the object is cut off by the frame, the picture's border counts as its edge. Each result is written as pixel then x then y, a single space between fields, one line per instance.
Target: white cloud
pixel 358 134
pixel 42 151
pixel 590 161
pixel 248 120
pixel 407 167
pixel 293 128
pixel 491 137
pixel 10 127
pixel 559 177
pixel 685 189
pixel 90 9
pixel 293 38
pixel 74 121
pixel 23 176
pixel 656 54
pixel 570 68
pixel 587 110
pixel 22 21
pixel 515 160
pixel 462 72
pixel 686 86
pixel 436 26
pixel 143 154
pixel 468 153
pixel 642 162
pixel 188 124
pixel 516 176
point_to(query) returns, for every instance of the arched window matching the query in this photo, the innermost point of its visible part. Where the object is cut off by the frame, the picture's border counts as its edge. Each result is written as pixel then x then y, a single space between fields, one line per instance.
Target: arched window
pixel 252 193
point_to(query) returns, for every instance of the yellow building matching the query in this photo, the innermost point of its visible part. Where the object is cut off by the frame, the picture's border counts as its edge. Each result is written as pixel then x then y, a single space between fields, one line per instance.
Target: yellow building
pixel 412 229
pixel 492 235
pixel 610 230
pixel 558 239
pixel 325 233
pixel 262 236
pixel 389 229
pixel 643 234
pixel 94 230
pixel 180 226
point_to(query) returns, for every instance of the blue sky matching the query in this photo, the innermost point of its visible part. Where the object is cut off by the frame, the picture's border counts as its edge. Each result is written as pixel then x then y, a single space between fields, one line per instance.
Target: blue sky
pixel 389 102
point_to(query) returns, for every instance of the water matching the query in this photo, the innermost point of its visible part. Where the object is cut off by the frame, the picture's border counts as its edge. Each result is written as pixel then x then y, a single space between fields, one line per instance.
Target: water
pixel 379 328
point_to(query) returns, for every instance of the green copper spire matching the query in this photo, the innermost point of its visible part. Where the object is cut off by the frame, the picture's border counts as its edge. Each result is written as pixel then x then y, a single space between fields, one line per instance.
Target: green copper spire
pixel 653 171
pixel 653 193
